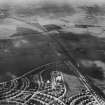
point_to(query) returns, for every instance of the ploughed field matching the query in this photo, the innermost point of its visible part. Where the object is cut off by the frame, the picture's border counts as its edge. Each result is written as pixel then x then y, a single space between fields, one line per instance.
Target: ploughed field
pixel 27 49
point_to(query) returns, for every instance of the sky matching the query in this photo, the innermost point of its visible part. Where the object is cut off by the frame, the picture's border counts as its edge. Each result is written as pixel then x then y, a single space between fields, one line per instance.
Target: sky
pixel 77 2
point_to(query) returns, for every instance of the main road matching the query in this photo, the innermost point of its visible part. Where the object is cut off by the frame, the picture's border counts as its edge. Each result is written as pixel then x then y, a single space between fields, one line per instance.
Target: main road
pixel 70 62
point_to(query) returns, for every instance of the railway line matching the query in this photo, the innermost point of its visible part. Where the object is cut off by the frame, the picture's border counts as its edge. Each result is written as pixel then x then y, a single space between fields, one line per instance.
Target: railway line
pixel 28 91
pixel 71 63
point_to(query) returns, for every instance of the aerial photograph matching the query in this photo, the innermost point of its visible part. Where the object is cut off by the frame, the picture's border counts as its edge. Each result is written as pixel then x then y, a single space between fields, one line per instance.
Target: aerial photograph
pixel 52 52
